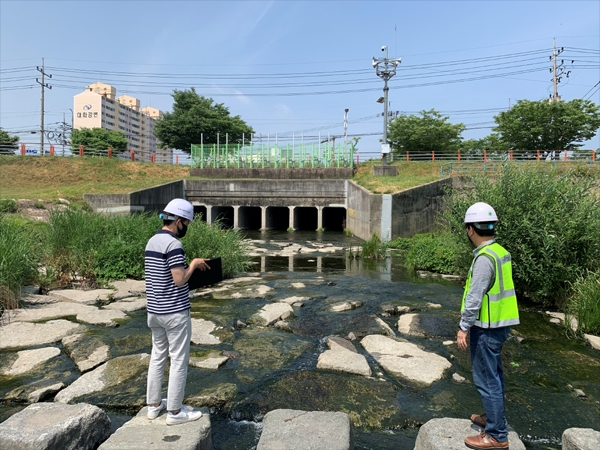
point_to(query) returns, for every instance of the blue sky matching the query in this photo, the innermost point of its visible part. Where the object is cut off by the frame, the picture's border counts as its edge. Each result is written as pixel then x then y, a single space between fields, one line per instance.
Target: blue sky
pixel 251 55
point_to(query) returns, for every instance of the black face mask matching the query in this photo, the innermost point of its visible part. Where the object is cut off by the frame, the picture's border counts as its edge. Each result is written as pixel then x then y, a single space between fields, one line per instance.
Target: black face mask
pixel 181 233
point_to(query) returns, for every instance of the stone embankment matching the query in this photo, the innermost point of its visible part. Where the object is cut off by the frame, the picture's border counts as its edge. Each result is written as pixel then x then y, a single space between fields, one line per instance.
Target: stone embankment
pixel 55 347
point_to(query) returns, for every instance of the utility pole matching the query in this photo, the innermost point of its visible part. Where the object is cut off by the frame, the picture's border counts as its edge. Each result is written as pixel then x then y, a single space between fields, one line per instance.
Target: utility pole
pixel 558 70
pixel 386 69
pixel 44 85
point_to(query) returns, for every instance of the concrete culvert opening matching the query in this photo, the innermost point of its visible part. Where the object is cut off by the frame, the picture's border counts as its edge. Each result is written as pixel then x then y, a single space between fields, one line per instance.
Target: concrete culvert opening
pixel 200 210
pixel 249 217
pixel 278 218
pixel 222 214
pixel 305 218
pixel 334 219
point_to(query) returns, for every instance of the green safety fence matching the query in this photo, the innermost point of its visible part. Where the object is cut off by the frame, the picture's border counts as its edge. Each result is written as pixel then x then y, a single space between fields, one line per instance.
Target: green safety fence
pixel 261 155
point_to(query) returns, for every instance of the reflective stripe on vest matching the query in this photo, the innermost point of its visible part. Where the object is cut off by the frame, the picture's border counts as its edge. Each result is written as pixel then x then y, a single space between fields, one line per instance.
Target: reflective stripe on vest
pixel 499 305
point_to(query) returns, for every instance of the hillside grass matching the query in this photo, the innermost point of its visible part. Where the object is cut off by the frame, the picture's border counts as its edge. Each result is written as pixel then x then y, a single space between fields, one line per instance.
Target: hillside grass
pixel 52 177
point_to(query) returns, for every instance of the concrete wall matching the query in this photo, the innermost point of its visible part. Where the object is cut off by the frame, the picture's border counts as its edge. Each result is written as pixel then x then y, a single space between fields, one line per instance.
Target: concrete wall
pixel 415 210
pixel 266 192
pixel 157 197
pixel 363 211
pixel 151 199
pixel 305 173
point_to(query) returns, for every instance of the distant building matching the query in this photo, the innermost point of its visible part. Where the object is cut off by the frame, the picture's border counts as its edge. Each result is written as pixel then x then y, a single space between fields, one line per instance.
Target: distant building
pixel 98 107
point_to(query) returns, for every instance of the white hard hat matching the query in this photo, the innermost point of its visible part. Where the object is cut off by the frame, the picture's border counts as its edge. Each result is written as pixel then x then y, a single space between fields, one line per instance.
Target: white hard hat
pixel 480 212
pixel 180 208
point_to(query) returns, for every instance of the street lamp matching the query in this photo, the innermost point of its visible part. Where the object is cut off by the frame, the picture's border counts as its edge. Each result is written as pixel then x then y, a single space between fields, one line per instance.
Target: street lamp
pixel 385 69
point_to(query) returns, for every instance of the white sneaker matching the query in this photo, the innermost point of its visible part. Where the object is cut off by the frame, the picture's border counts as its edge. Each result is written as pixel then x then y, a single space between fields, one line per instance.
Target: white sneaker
pixel 154 411
pixel 186 414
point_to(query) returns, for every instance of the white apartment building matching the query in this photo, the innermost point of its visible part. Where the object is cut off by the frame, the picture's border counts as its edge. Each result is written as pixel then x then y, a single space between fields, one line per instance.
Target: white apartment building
pixel 99 107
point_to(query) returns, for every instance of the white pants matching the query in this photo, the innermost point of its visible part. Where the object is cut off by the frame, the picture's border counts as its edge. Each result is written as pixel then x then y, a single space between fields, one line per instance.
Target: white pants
pixel 171 335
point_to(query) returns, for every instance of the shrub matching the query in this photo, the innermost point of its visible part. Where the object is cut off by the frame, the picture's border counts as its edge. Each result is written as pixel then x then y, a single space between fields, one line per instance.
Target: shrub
pixel 584 303
pixel 436 252
pixel 548 220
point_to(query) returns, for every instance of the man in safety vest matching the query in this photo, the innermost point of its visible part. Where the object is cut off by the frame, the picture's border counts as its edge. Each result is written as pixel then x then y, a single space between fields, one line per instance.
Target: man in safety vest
pixel 489 309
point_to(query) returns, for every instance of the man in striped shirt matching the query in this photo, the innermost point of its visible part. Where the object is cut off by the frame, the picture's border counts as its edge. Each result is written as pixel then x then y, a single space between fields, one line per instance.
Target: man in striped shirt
pixel 168 307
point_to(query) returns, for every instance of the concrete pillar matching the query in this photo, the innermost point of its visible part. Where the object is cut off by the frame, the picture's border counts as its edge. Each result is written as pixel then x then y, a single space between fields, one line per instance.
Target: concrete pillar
pixel 236 217
pixel 319 264
pixel 291 221
pixel 263 264
pixel 291 263
pixel 386 218
pixel 263 220
pixel 208 214
pixel 319 217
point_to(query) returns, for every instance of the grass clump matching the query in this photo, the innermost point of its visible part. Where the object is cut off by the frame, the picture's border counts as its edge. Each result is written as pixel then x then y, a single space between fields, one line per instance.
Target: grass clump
pixel 97 248
pixel 374 248
pixel 8 206
pixel 584 303
pixel 19 260
pixel 210 241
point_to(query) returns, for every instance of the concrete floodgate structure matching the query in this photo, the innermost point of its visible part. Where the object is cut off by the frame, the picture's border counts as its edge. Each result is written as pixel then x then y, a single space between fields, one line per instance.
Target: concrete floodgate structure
pixel 292 204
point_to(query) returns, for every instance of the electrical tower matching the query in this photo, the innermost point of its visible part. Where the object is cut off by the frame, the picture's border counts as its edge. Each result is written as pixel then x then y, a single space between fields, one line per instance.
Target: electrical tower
pixel 558 70
pixel 44 86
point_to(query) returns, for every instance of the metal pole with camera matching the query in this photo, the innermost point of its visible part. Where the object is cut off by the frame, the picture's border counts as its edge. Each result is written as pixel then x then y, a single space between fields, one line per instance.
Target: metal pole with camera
pixel 385 69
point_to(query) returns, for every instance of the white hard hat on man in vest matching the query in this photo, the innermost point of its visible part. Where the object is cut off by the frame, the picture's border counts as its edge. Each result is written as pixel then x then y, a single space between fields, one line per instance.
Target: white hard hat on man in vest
pixel 480 213
pixel 180 208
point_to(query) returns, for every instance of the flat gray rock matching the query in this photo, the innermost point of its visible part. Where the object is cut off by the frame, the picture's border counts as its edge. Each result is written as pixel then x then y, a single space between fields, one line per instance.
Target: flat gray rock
pixel 128 304
pixel 580 439
pixel 25 334
pixel 346 306
pixel 51 426
pixel 40 394
pixel 87 352
pixel 201 330
pixel 83 313
pixel 115 372
pixel 142 433
pixel 28 359
pixel 288 429
pixel 408 324
pixel 82 297
pixel 128 288
pixel 450 434
pixel 343 360
pixel 212 362
pixel 270 313
pixel 594 341
pixel 405 359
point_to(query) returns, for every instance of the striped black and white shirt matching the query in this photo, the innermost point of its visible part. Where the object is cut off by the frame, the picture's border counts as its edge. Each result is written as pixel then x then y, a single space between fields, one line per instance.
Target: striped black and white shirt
pixel 163 253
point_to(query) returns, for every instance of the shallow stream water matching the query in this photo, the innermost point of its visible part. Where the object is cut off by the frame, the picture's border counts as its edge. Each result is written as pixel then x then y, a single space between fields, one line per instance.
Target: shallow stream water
pixel 277 369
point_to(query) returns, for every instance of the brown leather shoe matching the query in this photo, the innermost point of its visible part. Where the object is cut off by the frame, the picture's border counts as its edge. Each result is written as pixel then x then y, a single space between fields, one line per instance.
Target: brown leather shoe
pixel 479 420
pixel 484 441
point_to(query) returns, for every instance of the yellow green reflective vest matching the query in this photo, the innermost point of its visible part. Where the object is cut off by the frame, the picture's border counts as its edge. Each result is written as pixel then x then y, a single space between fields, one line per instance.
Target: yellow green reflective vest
pixel 499 305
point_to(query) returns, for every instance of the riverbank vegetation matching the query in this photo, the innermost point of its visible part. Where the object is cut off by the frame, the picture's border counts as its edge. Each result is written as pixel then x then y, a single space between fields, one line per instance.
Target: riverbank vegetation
pixel 549 222
pixel 77 247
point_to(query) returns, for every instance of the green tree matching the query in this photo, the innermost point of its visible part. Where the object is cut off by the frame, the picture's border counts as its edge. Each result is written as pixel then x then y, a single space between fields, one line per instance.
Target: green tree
pixel 8 143
pixel 196 118
pixel 492 143
pixel 428 132
pixel 544 125
pixel 99 139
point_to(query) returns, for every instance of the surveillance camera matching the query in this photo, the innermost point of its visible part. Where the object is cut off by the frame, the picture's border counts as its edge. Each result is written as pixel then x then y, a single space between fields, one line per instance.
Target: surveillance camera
pixel 383 48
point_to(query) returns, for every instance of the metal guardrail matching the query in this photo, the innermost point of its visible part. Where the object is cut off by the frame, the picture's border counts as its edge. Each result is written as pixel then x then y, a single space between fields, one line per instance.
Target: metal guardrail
pixel 491 167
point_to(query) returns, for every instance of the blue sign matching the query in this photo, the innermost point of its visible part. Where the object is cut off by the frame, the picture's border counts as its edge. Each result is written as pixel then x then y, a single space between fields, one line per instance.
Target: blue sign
pixel 30 151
